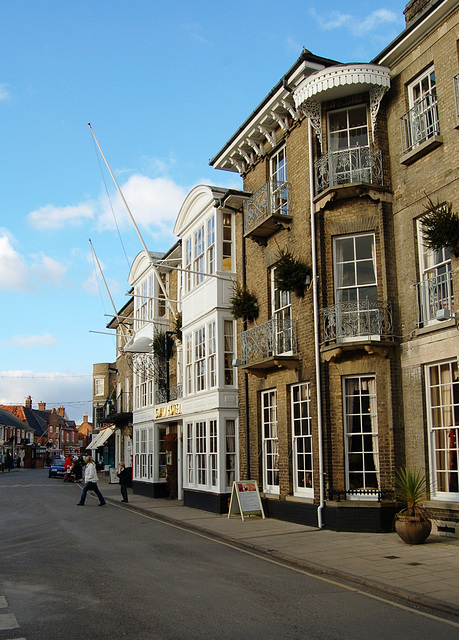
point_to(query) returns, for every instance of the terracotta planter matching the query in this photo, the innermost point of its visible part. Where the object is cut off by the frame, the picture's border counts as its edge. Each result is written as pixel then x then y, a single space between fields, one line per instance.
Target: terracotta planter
pixel 412 530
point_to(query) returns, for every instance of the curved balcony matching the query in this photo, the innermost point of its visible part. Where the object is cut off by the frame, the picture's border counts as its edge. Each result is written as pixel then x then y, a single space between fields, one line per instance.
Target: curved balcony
pixel 342 80
pixel 348 166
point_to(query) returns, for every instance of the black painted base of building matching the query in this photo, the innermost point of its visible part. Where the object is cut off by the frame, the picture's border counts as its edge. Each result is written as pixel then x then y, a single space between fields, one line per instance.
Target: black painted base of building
pixel 150 489
pixel 342 516
pixel 213 502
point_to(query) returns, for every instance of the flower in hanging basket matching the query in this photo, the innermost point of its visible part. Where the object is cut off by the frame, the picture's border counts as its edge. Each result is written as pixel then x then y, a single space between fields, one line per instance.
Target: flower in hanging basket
pixel 244 304
pixel 440 227
pixel 291 273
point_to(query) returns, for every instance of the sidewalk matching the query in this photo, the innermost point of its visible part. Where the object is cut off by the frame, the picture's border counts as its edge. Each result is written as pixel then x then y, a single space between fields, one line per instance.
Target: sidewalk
pixel 426 574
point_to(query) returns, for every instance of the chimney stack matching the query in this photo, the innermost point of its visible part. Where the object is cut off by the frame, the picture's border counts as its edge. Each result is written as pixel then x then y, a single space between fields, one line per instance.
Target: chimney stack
pixel 85 417
pixel 61 412
pixel 42 406
pixel 414 8
pixel 28 402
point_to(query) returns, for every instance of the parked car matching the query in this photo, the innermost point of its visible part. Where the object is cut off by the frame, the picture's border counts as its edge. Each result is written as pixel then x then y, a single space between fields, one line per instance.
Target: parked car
pixel 57 469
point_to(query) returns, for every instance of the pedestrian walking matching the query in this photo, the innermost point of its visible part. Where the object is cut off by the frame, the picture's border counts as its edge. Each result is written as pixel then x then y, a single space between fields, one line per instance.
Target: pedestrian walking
pixel 90 483
pixel 18 461
pixel 124 476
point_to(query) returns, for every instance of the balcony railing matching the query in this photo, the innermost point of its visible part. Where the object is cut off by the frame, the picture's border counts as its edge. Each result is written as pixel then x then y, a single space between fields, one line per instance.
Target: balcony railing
pixel 272 338
pixel 348 166
pixel 435 298
pixel 420 123
pixel 162 395
pixel 358 319
pixel 270 203
pixel 456 93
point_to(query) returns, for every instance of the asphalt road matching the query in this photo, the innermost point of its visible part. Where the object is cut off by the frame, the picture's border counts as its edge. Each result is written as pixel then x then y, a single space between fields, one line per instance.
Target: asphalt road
pixel 93 573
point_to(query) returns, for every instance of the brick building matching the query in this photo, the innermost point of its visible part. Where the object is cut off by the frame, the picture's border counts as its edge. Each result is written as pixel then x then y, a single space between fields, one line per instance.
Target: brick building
pixel 350 374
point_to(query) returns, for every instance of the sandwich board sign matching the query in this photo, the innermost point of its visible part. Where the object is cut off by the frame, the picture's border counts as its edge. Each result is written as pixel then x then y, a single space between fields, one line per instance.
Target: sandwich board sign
pixel 245 499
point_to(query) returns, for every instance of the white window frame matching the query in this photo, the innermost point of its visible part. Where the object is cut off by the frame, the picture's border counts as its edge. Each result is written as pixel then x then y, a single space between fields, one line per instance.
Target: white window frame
pixel 213 452
pixel 270 441
pixel 211 245
pixel 302 443
pixel 363 460
pixel 436 282
pixel 189 453
pixel 281 306
pixel 188 259
pixel 212 354
pixel 227 242
pixel 278 179
pixel 353 306
pixel 199 255
pixel 422 97
pixel 228 352
pixel 189 364
pixel 99 385
pixel 442 400
pixel 230 453
pixel 200 359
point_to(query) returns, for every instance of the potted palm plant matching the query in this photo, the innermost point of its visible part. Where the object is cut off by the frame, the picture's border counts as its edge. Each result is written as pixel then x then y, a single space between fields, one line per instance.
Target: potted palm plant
pixel 413 523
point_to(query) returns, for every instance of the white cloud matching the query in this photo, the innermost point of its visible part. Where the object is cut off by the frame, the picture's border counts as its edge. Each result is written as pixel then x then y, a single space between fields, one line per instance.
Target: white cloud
pixel 48 270
pixel 14 272
pixel 358 26
pixel 153 202
pixel 72 391
pixel 19 274
pixel 29 342
pixel 4 92
pixel 52 217
pixel 374 21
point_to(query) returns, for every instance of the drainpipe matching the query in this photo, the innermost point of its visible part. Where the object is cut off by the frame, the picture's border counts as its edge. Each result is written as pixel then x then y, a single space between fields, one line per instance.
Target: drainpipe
pixel 246 376
pixel 316 331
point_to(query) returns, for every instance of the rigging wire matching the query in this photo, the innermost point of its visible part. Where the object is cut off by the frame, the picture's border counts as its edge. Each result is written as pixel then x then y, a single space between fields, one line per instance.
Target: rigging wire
pixel 109 200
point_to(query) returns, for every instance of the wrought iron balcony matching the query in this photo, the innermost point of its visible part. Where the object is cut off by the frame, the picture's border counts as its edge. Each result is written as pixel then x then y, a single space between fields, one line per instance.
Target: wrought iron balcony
pixel 348 166
pixel 271 344
pixel 435 299
pixel 420 123
pixel 163 395
pixel 267 210
pixel 357 320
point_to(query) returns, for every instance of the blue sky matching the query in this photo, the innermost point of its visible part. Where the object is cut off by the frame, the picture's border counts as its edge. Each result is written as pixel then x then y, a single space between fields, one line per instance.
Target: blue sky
pixel 164 85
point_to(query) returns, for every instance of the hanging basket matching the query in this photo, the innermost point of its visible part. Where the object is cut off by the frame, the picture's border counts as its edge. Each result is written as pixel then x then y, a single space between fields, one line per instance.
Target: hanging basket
pixel 244 304
pixel 440 227
pixel 291 273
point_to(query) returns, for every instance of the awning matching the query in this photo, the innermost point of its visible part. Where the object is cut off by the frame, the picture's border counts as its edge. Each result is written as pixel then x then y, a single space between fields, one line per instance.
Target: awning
pixel 101 438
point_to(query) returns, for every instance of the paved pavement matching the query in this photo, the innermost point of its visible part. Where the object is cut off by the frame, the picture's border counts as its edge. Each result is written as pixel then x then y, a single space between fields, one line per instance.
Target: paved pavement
pixel 426 574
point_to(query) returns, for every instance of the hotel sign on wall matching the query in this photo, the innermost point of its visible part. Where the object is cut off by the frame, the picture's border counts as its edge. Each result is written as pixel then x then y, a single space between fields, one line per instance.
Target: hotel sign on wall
pixel 170 410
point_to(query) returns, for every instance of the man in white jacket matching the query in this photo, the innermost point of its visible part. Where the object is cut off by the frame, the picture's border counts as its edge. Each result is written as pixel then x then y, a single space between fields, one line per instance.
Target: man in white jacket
pixel 90 483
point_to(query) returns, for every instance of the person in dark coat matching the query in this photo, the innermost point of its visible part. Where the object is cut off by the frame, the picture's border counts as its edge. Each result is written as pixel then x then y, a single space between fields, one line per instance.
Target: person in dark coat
pixel 123 475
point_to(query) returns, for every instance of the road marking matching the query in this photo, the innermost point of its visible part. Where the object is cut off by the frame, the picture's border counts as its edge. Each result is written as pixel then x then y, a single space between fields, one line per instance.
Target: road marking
pixel 286 565
pixel 3 602
pixel 8 621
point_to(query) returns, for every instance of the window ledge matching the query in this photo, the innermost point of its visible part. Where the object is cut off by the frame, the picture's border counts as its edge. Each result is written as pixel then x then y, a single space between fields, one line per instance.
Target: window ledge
pixel 421 150
pixel 435 326
pixel 442 504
